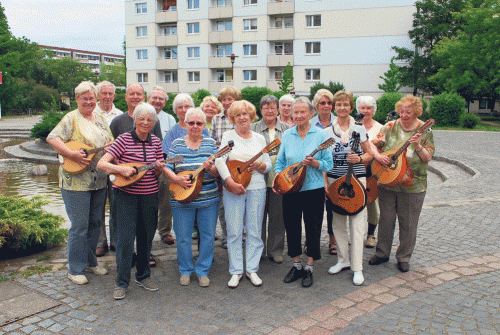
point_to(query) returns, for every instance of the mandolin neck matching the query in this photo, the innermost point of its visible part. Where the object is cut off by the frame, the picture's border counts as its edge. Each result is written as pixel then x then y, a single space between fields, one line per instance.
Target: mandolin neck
pixel 198 170
pixel 249 162
pixel 298 167
pixel 93 151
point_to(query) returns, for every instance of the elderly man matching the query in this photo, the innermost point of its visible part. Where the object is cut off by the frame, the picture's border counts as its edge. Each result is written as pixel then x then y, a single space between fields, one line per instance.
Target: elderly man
pixel 106 95
pixel 158 98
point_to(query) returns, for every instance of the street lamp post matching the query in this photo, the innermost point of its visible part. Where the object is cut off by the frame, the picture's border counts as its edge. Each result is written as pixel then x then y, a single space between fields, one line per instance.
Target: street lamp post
pixel 233 58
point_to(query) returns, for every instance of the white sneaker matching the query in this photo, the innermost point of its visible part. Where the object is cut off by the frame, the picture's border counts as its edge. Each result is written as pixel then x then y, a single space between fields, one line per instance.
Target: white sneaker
pixel 78 279
pixel 234 281
pixel 339 267
pixel 358 278
pixel 254 278
pixel 97 270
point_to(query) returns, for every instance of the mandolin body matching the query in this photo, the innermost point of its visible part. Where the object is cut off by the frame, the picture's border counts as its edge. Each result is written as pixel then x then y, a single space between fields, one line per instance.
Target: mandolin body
pixel 287 182
pixel 120 181
pixel 393 174
pixel 371 190
pixel 347 198
pixel 70 165
pixel 187 195
pixel 240 176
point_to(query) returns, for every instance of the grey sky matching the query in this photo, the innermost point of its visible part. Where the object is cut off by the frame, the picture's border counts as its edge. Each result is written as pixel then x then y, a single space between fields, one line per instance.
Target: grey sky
pixel 97 26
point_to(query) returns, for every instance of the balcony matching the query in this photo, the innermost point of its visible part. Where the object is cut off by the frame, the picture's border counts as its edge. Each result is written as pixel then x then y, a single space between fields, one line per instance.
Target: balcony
pixel 219 62
pixel 166 64
pixel 220 12
pixel 272 84
pixel 280 34
pixel 279 60
pixel 220 37
pixel 275 7
pixel 166 16
pixel 169 87
pixel 165 40
pixel 216 86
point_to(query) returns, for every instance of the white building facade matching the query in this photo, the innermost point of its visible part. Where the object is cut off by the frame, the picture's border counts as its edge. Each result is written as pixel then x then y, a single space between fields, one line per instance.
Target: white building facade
pixel 183 45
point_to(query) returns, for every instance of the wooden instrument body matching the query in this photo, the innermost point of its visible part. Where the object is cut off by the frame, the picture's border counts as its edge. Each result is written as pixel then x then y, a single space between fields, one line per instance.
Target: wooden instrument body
pixel 287 182
pixel 187 195
pixel 393 174
pixel 70 165
pixel 239 175
pixel 348 198
pixel 121 181
pixel 371 190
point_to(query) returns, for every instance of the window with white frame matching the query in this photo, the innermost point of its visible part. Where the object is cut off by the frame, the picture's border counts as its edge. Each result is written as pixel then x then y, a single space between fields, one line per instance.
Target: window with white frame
pixel 222 3
pixel 193 28
pixel 169 30
pixel 250 24
pixel 224 25
pixel 142 77
pixel 193 4
pixel 313 74
pixel 249 49
pixel 283 48
pixel 313 20
pixel 170 53
pixel 170 77
pixel 193 76
pixel 142 31
pixel 223 50
pixel 250 75
pixel 249 2
pixel 142 54
pixel 283 22
pixel 223 76
pixel 313 48
pixel 141 8
pixel 193 52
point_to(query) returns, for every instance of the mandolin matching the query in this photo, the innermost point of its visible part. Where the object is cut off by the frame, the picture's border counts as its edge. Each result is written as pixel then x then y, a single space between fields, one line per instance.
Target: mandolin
pixel 347 193
pixel 238 169
pixel 291 179
pixel 393 174
pixel 187 195
pixel 140 170
pixel 371 185
pixel 73 167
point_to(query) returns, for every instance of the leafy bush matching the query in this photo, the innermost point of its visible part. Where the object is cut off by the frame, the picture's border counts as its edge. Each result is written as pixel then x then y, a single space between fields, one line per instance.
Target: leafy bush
pixel 447 108
pixel 425 114
pixel 254 94
pixel 332 87
pixel 199 95
pixel 24 225
pixel 469 120
pixel 120 102
pixel 168 106
pixel 385 104
pixel 49 120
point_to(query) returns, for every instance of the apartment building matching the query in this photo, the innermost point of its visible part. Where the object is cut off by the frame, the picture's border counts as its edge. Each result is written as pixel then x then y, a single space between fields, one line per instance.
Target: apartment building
pixel 185 45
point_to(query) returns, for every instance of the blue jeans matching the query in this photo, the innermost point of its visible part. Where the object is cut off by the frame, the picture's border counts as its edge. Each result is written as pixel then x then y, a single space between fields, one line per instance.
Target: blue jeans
pixel 136 216
pixel 85 211
pixel 206 218
pixel 246 210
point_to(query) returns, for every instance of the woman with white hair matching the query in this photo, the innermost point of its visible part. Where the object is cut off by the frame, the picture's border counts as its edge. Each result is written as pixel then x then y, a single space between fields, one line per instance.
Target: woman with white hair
pixel 84 194
pixel 285 109
pixel 136 204
pixel 367 106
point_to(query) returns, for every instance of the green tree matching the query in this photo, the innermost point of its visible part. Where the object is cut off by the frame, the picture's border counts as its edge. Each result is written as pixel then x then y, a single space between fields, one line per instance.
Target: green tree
pixel 447 109
pixel 385 104
pixel 332 87
pixel 391 78
pixel 199 95
pixel 254 94
pixel 286 82
pixel 113 73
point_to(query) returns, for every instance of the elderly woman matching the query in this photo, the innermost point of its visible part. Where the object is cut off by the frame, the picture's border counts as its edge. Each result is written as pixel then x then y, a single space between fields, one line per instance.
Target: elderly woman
pixel 136 204
pixel 285 109
pixel 244 207
pixel 271 128
pixel 297 143
pixel 367 107
pixel 195 149
pixel 84 194
pixel 405 200
pixel 342 131
pixel 211 107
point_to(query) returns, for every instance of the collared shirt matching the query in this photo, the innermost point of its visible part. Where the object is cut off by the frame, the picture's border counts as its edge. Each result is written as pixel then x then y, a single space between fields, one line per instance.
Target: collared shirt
pixel 315 121
pixel 220 124
pixel 114 112
pixel 166 121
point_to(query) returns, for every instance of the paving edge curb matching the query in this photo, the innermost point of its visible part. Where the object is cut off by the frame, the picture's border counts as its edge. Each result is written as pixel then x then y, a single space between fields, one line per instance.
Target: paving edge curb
pixel 470 170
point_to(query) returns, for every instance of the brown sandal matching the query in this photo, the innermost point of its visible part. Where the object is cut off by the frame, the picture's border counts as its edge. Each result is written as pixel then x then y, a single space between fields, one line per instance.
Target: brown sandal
pixel 332 248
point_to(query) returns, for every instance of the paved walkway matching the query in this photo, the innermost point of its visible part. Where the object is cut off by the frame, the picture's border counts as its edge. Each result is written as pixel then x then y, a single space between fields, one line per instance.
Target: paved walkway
pixel 452 288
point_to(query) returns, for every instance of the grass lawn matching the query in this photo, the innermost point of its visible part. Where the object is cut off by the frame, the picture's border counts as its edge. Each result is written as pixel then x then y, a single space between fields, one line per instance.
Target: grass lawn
pixel 479 127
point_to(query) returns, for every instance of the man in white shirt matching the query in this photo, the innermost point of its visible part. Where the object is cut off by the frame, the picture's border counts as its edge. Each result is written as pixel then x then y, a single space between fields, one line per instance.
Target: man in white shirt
pixel 158 98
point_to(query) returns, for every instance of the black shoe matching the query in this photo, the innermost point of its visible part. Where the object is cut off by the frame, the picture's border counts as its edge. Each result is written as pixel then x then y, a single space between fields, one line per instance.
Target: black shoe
pixel 294 274
pixel 375 260
pixel 404 266
pixel 307 281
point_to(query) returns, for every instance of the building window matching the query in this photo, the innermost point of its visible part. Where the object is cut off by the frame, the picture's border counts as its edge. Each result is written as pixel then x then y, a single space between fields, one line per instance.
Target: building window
pixel 142 77
pixel 222 3
pixel 141 8
pixel 313 20
pixel 194 52
pixel 278 75
pixel 224 76
pixel 142 31
pixel 250 49
pixel 283 48
pixel 313 74
pixel 142 54
pixel 283 22
pixel 193 76
pixel 250 75
pixel 169 30
pixel 224 25
pixel 223 50
pixel 193 4
pixel 170 53
pixel 170 76
pixel 250 24
pixel 193 28
pixel 249 2
pixel 313 47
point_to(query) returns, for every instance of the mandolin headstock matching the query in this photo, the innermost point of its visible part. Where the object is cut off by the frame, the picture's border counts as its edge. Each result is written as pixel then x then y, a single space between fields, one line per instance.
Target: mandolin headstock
pixel 274 144
pixel 328 143
pixel 224 151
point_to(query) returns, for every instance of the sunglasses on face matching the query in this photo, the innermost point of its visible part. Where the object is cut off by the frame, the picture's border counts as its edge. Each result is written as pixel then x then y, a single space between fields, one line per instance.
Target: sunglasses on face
pixel 192 123
pixel 323 103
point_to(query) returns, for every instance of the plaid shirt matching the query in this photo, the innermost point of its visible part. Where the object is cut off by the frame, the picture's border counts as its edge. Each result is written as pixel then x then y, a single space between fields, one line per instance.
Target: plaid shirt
pixel 220 124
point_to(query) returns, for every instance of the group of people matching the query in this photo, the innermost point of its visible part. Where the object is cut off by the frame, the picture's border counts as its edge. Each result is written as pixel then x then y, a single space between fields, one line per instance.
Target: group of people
pixel 256 216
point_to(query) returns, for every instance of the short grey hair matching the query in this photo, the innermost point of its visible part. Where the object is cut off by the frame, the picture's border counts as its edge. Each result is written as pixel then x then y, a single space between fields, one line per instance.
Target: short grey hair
pixel 105 83
pixel 287 97
pixel 161 89
pixel 304 100
pixel 195 112
pixel 268 99
pixel 144 108
pixel 135 84
pixel 366 100
pixel 181 97
pixel 84 87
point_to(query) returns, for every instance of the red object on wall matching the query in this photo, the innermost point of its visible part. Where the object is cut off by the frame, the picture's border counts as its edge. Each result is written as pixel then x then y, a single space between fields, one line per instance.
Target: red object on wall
pixel 1 80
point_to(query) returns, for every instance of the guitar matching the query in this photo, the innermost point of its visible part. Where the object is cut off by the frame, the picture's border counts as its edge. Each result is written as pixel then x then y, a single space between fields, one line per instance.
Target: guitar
pixel 238 169
pixel 291 179
pixel 140 170
pixel 73 167
pixel 185 196
pixel 347 193
pixel 393 174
